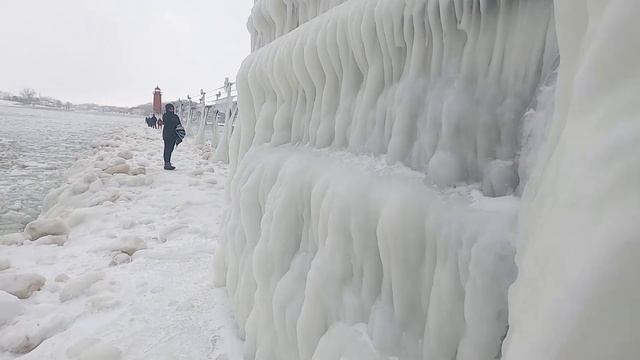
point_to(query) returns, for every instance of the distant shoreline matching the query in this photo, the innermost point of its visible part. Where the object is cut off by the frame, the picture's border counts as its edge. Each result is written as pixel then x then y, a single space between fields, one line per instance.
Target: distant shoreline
pixel 7 103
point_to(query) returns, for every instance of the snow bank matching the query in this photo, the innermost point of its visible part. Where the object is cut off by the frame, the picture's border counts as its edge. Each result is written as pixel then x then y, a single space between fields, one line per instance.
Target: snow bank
pixel 577 293
pixel 321 244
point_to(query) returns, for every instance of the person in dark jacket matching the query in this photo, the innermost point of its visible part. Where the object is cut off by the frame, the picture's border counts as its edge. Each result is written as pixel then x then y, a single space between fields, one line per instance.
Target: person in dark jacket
pixel 154 121
pixel 169 135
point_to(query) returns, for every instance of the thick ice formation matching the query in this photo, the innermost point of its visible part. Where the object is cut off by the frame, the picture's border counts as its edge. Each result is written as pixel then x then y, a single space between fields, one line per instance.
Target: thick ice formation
pixel 337 243
pixel 271 19
pixel 321 243
pixel 578 290
pixel 438 85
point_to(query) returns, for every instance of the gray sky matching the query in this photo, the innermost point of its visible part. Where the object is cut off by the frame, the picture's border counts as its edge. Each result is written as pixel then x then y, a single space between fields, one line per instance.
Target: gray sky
pixel 114 52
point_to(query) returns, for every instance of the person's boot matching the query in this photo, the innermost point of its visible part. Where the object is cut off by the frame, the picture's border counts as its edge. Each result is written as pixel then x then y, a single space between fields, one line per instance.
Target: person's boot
pixel 168 166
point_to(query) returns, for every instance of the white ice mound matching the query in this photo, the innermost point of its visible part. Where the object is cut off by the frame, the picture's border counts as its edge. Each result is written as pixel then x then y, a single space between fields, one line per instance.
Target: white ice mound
pixel 43 227
pixel 440 86
pixel 21 285
pixel 320 243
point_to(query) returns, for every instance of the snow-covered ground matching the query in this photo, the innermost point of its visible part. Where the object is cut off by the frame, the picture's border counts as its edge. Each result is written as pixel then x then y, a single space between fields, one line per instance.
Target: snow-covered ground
pixel 122 260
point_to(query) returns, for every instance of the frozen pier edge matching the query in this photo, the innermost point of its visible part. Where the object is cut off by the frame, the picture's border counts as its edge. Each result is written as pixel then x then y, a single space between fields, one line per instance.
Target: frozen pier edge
pixel 122 259
pixel 377 171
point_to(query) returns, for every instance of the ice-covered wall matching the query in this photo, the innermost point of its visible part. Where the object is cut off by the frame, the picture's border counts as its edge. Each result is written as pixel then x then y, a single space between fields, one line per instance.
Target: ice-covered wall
pixel 331 255
pixel 366 139
pixel 578 290
pixel 440 86
pixel 271 19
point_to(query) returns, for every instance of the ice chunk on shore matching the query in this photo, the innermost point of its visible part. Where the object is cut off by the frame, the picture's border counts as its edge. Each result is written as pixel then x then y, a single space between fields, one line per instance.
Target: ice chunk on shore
pixel 21 285
pixel 43 227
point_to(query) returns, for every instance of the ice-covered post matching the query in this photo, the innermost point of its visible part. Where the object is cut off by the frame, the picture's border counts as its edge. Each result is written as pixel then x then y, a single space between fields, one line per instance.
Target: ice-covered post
pixel 222 151
pixel 188 117
pixel 215 136
pixel 203 118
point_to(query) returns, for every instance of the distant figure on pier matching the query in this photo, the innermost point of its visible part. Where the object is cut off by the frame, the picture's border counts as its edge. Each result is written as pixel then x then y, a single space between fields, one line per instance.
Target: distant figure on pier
pixel 169 134
pixel 154 121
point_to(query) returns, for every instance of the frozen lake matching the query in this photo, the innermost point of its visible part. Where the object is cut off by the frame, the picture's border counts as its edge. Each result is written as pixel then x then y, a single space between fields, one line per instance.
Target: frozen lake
pixel 36 146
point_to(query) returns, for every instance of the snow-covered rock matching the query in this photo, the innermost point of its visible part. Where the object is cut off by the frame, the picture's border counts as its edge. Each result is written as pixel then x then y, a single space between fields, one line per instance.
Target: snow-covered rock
pixel 21 285
pixel 43 227
pixel 119 259
pixel 129 245
pixel 52 240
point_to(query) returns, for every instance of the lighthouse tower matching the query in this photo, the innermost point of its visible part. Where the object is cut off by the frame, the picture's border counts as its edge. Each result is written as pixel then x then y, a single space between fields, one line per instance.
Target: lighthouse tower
pixel 157 101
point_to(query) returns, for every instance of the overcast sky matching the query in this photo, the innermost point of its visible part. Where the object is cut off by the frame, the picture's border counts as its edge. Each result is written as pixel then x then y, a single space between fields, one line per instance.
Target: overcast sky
pixel 114 52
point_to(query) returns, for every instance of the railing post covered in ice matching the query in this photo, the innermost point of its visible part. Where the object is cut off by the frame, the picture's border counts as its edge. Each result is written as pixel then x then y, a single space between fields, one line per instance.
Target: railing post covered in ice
pixel 222 151
pixel 203 118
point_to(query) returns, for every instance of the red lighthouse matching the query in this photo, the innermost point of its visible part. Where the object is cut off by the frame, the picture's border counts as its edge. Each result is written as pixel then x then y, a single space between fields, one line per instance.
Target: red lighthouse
pixel 157 101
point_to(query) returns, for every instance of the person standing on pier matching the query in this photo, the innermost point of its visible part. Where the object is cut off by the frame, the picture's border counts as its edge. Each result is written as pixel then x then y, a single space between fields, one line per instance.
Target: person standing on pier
pixel 169 135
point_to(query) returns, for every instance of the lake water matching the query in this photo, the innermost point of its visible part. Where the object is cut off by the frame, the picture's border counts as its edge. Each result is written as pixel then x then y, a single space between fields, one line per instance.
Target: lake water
pixel 36 147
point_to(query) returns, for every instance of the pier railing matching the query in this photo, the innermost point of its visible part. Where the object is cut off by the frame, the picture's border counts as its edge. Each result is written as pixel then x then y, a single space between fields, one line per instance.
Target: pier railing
pixel 211 118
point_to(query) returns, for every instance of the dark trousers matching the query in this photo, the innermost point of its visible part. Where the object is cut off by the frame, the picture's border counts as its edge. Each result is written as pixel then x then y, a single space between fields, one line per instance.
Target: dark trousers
pixel 169 144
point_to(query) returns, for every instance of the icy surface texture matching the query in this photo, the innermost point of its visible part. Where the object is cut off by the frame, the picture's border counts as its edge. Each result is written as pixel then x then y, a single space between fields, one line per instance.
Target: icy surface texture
pixel 271 19
pixel 577 293
pixel 440 86
pixel 366 140
pixel 327 247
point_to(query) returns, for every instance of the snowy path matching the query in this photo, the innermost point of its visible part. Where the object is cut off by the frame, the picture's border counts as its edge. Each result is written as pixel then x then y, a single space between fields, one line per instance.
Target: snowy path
pixel 161 304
